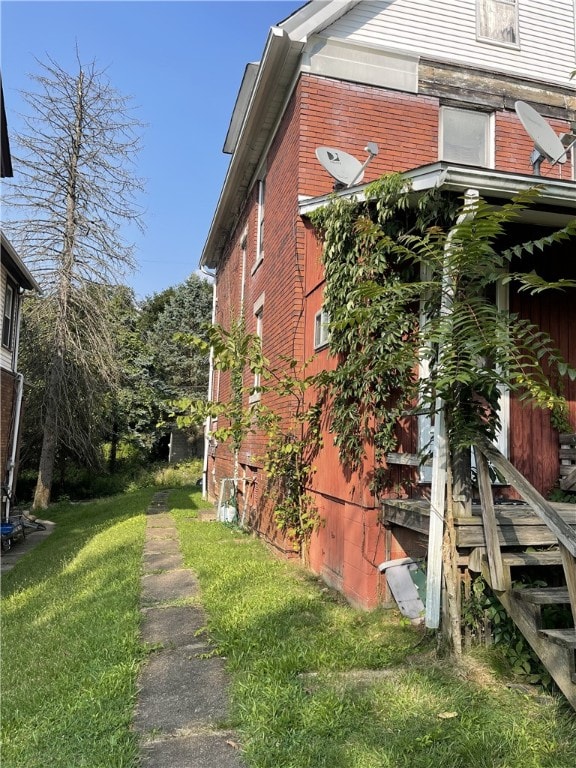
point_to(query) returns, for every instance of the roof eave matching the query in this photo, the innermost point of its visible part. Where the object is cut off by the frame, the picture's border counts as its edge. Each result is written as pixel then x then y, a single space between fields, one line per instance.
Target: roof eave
pixel 275 76
pixel 16 267
pixel 557 196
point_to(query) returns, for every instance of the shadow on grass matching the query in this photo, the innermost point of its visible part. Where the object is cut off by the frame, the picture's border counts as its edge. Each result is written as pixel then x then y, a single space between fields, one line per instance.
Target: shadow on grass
pixel 71 647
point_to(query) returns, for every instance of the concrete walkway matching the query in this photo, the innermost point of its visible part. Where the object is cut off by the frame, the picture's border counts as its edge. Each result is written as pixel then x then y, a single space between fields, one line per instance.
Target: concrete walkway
pixel 9 559
pixel 182 702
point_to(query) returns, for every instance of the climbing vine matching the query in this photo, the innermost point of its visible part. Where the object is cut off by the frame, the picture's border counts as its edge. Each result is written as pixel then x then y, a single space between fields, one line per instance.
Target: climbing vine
pixel 388 265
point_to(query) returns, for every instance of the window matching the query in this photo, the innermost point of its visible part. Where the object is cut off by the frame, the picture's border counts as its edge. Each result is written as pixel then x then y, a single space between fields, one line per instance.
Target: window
pixel 465 137
pixel 321 330
pixel 259 317
pixel 260 233
pixel 497 21
pixel 9 316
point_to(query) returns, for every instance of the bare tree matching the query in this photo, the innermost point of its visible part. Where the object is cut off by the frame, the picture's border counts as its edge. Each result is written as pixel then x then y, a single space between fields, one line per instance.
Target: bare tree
pixel 74 190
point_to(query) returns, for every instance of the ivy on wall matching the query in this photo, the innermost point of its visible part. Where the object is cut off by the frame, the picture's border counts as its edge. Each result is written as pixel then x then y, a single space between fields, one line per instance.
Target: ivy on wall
pixel 388 261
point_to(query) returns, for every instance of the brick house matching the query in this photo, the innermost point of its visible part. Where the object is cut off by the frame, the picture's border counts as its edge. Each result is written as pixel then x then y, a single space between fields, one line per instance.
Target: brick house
pixel 15 281
pixel 435 86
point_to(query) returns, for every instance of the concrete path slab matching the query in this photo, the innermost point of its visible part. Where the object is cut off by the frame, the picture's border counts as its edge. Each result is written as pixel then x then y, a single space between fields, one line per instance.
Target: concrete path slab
pixel 168 546
pixel 174 626
pixel 168 586
pixel 160 520
pixel 9 559
pixel 204 750
pixel 180 690
pixel 162 533
pixel 161 561
pixel 183 687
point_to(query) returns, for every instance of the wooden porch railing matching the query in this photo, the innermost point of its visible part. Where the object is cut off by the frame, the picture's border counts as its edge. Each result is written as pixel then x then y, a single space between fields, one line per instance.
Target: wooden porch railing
pixel 566 536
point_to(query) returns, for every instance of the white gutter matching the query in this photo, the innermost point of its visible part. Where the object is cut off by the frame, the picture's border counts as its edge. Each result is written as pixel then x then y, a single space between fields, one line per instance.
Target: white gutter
pixel 489 183
pixel 280 57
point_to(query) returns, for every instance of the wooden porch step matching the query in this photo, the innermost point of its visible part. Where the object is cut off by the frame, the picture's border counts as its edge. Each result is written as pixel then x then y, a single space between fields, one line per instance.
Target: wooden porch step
pixel 547 557
pixel 543 595
pixel 564 637
pixel 478 557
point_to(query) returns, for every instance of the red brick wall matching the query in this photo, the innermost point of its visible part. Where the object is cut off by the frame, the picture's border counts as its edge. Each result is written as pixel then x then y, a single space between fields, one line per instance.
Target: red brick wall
pixel 348 547
pixel 348 115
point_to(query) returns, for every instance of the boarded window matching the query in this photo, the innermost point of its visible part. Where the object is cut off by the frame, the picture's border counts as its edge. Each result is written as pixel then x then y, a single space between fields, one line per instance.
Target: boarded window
pixel 497 21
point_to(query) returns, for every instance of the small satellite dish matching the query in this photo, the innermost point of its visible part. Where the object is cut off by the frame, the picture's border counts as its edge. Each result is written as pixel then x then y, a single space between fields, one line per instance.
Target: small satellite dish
pixel 547 145
pixel 340 165
pixel 345 168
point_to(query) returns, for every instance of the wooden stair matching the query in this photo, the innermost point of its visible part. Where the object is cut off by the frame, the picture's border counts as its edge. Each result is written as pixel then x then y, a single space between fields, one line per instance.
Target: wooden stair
pixel 556 648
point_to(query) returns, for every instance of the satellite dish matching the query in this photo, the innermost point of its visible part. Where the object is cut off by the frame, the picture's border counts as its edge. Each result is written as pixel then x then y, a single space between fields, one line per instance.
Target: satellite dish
pixel 547 145
pixel 345 168
pixel 340 165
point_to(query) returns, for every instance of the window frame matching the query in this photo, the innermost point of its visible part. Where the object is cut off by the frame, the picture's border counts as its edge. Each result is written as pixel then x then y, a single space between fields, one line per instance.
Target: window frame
pixel 260 223
pixel 489 150
pixel 487 7
pixel 258 312
pixel 9 328
pixel 321 330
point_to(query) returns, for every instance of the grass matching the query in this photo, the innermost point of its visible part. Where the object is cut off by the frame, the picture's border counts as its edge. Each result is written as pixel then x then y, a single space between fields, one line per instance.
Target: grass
pixel 70 639
pixel 316 683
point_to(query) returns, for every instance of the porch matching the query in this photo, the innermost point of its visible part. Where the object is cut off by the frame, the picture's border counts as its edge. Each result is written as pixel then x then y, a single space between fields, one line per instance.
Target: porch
pixel 503 540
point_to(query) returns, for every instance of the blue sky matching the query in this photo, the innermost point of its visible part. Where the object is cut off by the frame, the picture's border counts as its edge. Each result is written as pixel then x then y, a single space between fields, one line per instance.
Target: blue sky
pixel 182 62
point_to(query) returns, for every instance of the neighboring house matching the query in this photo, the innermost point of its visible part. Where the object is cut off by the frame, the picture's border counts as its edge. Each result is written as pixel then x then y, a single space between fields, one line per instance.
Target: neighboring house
pixel 434 85
pixel 15 281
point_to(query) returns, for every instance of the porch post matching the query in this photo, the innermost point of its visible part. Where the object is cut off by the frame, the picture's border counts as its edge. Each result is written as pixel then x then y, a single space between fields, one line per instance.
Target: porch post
pixel 440 448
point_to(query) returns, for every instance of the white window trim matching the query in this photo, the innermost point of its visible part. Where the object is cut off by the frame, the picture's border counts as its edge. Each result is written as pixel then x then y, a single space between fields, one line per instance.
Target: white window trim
pixel 490 153
pixel 258 311
pixel 321 330
pixel 260 223
pixel 11 304
pixel 492 40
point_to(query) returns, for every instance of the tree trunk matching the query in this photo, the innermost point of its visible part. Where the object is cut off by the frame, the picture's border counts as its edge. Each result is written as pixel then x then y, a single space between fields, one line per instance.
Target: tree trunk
pixel 113 448
pixel 49 445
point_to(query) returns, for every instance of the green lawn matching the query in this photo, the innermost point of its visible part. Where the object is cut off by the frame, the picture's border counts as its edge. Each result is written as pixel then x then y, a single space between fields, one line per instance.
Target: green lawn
pixel 70 642
pixel 314 682
pixel 318 684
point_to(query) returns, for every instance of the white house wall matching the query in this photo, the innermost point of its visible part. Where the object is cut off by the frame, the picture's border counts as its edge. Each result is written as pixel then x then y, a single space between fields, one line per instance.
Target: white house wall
pixel 445 30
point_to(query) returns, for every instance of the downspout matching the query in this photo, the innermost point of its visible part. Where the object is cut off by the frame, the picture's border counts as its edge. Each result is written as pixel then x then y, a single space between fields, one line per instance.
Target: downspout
pixel 14 446
pixel 17 410
pixel 440 449
pixel 208 421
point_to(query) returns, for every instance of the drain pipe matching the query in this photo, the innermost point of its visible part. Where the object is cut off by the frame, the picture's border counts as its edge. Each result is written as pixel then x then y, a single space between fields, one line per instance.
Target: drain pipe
pixel 14 446
pixel 208 421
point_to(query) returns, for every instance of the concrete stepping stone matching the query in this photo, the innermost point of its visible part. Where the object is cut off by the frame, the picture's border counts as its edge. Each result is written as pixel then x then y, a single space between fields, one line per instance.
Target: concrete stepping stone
pixel 175 626
pixel 168 586
pixel 157 546
pixel 204 750
pixel 179 690
pixel 162 561
pixel 160 520
pixel 162 533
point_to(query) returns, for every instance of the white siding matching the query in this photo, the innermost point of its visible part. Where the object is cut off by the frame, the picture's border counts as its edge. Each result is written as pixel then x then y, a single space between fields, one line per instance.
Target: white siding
pixel 446 30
